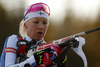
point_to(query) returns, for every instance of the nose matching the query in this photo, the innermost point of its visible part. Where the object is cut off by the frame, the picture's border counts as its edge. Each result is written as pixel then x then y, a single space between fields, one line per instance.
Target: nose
pixel 40 25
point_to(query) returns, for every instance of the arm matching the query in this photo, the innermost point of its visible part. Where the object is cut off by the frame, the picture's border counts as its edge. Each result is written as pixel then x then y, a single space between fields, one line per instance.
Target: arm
pixel 10 57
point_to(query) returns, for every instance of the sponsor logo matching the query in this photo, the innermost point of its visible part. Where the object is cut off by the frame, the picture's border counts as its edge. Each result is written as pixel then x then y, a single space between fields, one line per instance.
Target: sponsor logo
pixel 67 38
pixel 43 46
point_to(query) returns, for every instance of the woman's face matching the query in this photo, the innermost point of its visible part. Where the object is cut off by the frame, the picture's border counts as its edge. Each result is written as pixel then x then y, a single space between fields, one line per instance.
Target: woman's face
pixel 36 28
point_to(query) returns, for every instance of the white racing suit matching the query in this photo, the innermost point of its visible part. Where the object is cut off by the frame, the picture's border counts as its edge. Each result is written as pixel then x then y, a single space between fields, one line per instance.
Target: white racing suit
pixel 10 56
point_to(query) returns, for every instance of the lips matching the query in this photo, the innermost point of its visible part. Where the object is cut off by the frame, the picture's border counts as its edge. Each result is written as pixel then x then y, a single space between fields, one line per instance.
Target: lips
pixel 40 32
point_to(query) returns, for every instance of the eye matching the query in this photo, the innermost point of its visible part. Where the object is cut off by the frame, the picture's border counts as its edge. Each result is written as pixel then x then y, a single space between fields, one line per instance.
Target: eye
pixel 36 22
pixel 44 22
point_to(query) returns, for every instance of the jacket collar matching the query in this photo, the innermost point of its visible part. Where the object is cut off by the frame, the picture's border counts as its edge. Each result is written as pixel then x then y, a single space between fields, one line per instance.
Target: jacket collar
pixel 37 43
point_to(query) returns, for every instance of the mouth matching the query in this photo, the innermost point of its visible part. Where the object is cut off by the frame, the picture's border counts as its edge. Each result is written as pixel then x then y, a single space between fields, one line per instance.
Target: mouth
pixel 40 33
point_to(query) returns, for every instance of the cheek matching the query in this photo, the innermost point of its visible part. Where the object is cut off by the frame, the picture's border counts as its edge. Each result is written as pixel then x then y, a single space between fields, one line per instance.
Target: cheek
pixel 31 28
pixel 46 28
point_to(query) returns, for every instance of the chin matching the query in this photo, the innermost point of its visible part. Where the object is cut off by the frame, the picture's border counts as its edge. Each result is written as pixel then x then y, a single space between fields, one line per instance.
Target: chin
pixel 38 39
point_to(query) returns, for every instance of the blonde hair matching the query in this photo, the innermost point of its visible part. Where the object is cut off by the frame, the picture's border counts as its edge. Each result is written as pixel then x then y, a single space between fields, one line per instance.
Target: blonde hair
pixel 22 30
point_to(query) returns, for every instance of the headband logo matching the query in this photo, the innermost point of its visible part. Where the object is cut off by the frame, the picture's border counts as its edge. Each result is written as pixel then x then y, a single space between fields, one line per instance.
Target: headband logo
pixel 25 18
pixel 41 13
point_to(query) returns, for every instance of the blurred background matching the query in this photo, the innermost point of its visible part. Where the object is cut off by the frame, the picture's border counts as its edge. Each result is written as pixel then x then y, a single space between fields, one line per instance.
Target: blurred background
pixel 68 17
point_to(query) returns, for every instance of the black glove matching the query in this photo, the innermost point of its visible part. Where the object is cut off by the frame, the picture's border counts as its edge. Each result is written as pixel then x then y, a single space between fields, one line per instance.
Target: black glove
pixel 43 58
pixel 73 42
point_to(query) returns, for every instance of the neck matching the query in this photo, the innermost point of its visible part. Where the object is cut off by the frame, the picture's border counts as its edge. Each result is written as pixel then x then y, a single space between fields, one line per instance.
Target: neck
pixel 37 42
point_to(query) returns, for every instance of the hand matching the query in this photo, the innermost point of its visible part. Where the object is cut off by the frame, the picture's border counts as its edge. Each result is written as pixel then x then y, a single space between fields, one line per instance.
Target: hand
pixel 43 58
pixel 56 48
pixel 73 42
pixel 81 43
pixel 57 51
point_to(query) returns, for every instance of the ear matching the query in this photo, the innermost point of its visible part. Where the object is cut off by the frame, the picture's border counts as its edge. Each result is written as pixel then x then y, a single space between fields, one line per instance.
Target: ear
pixel 25 25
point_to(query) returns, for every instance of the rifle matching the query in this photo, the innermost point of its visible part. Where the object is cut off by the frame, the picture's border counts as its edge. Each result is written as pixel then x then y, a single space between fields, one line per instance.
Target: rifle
pixel 63 43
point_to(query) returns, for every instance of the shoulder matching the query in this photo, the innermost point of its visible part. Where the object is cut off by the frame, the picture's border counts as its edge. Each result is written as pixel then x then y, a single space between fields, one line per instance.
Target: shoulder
pixel 13 37
pixel 12 41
